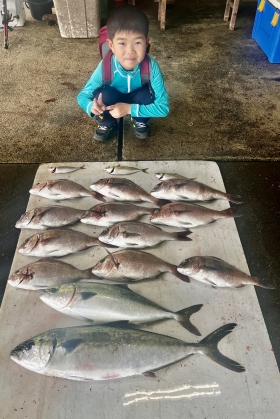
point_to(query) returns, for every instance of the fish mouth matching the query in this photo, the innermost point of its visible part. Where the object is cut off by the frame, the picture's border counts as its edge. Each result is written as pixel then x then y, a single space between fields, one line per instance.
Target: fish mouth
pixel 15 356
pixel 16 280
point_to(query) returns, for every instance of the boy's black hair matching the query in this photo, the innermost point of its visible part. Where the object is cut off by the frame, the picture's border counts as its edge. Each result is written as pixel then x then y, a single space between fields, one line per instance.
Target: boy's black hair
pixel 127 18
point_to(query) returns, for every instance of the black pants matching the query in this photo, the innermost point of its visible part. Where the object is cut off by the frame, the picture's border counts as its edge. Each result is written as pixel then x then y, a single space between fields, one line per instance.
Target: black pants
pixel 111 96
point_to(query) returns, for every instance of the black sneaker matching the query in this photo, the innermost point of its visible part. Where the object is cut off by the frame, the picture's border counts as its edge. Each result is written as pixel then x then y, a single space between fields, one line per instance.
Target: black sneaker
pixel 103 133
pixel 141 130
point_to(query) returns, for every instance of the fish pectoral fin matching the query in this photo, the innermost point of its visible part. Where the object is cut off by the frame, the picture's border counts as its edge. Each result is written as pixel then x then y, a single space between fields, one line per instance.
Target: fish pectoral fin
pixel 121 286
pixel 179 185
pixel 149 374
pixel 118 323
pixel 70 345
pixel 115 195
pixel 43 212
pixel 127 234
pixel 98 214
pixel 117 184
pixel 210 282
pixel 87 295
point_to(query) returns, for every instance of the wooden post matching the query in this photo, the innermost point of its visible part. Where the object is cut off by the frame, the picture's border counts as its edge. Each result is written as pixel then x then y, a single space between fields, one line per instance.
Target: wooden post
pixel 234 5
pixel 162 14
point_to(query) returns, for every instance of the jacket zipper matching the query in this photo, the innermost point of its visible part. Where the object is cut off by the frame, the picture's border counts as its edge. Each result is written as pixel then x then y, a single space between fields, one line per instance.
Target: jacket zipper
pixel 128 84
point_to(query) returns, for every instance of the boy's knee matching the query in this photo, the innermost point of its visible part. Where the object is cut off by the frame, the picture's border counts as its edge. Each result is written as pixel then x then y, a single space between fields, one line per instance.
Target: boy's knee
pixel 143 96
pixel 110 95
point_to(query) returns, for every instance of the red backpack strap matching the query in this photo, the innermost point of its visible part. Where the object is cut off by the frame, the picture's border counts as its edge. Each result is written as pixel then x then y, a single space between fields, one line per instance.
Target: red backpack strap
pixel 102 44
pixel 145 70
pixel 107 68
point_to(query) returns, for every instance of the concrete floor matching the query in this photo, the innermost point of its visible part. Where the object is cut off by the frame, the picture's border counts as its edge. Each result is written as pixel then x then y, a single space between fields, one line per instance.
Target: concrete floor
pixel 224 107
pixel 223 92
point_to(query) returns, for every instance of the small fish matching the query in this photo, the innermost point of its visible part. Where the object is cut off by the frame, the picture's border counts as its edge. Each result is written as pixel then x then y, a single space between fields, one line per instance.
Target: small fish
pixel 218 273
pixel 46 217
pixel 169 176
pixel 65 169
pixel 57 243
pixel 46 273
pixel 102 303
pixel 189 215
pixel 123 170
pixel 139 235
pixel 62 189
pixel 133 265
pixel 121 189
pixel 105 353
pixel 190 190
pixel 109 213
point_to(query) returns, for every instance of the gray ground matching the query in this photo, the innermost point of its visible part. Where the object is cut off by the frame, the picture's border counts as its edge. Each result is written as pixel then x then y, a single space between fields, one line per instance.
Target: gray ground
pixel 224 93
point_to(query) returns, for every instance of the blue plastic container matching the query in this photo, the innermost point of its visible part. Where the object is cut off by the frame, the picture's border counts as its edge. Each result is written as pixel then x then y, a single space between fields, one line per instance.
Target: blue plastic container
pixel 266 30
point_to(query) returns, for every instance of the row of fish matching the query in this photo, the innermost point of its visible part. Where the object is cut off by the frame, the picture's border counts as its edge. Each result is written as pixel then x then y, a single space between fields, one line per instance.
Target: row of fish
pixel 117 349
pixel 122 189
pixel 125 266
pixel 184 215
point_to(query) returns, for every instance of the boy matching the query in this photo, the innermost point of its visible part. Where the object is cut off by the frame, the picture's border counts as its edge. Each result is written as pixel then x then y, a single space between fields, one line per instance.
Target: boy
pixel 128 30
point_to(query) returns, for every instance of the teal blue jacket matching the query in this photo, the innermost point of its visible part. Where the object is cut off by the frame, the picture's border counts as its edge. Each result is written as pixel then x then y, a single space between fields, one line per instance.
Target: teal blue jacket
pixel 127 81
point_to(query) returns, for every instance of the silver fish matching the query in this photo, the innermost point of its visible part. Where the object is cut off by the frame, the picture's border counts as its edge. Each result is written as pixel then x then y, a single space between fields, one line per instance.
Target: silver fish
pixel 169 176
pixel 218 273
pixel 65 169
pixel 139 235
pixel 46 217
pixel 133 265
pixel 105 353
pixel 121 189
pixel 62 189
pixel 57 243
pixel 123 170
pixel 109 213
pixel 190 190
pixel 45 273
pixel 101 303
pixel 189 215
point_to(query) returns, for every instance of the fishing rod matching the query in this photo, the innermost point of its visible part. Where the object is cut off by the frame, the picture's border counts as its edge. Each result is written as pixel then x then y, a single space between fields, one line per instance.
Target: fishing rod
pixel 7 17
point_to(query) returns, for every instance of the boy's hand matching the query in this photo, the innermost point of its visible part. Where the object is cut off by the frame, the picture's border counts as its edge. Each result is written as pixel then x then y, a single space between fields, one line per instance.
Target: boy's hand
pixel 119 109
pixel 98 106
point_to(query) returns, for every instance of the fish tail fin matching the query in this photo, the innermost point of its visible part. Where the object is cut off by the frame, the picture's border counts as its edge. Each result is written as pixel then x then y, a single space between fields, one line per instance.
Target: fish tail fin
pixel 98 196
pixel 182 235
pixel 145 170
pixel 236 199
pixel 183 278
pixel 149 210
pixel 161 202
pixel 211 342
pixel 82 167
pixel 101 244
pixel 184 318
pixel 89 275
pixel 262 283
pixel 231 212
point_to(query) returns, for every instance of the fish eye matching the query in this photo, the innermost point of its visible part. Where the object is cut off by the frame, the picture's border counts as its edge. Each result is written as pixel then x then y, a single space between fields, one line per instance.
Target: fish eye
pixel 28 345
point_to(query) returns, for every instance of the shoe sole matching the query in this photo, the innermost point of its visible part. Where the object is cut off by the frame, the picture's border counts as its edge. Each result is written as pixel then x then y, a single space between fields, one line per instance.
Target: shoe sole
pixel 102 139
pixel 142 136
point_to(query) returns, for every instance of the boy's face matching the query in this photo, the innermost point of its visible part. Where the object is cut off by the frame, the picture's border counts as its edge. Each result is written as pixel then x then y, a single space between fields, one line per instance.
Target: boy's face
pixel 129 48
